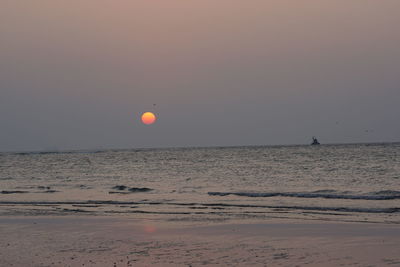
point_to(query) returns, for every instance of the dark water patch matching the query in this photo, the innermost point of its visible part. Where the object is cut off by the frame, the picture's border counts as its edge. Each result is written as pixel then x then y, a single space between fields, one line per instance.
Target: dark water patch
pixel 329 194
pixel 119 187
pixel 122 189
pixel 43 187
pixel 47 205
pixel 325 191
pixel 82 186
pixel 139 189
pixel 85 206
pixel 13 192
pixel 160 212
pixel 387 193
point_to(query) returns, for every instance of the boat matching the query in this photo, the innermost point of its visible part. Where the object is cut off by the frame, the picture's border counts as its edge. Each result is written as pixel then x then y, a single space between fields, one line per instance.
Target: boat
pixel 315 141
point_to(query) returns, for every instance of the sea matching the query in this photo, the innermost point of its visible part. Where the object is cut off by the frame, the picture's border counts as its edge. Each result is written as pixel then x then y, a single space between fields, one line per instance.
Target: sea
pixel 348 182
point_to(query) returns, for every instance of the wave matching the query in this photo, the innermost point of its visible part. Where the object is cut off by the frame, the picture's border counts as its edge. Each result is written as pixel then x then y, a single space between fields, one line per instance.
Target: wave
pixel 98 203
pixel 331 194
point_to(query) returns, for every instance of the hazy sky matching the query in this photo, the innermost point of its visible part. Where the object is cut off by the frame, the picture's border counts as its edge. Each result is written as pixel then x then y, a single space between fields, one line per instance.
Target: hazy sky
pixel 78 74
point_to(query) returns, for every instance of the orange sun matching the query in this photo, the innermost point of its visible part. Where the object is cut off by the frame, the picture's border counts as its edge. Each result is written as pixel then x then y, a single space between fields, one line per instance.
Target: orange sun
pixel 148 118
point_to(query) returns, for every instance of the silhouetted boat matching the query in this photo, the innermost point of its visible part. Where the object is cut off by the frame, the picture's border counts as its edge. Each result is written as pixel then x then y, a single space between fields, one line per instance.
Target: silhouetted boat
pixel 314 141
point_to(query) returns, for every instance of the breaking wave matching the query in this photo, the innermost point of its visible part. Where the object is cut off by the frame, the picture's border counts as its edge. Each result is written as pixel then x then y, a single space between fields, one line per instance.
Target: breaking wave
pixel 105 203
pixel 331 194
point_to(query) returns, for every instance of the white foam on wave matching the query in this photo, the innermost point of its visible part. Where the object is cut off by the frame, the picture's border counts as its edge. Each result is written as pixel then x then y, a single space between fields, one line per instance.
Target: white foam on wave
pixel 378 195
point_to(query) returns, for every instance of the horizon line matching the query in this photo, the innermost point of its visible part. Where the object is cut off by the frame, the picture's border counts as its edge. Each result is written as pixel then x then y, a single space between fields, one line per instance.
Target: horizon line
pixel 91 150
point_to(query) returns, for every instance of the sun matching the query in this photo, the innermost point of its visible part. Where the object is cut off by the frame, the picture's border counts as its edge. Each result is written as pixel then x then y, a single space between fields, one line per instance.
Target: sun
pixel 148 118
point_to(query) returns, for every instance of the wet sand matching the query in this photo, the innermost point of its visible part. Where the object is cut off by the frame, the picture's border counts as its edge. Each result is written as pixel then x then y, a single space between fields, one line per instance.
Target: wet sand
pixel 116 241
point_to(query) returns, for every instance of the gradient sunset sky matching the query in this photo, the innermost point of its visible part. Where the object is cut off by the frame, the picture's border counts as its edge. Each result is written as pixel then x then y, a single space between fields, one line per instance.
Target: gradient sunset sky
pixel 79 74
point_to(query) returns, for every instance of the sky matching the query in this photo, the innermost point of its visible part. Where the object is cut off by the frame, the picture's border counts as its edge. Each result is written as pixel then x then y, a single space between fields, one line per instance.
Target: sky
pixel 78 74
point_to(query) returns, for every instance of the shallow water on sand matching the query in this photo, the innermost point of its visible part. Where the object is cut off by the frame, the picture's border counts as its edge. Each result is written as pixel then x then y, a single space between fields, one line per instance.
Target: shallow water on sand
pixel 358 182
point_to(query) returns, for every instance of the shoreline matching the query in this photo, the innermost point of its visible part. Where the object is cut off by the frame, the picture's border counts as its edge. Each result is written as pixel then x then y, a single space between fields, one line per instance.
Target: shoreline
pixel 127 241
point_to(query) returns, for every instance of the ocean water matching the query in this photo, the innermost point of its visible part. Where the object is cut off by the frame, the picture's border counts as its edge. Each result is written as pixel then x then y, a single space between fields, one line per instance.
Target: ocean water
pixel 356 182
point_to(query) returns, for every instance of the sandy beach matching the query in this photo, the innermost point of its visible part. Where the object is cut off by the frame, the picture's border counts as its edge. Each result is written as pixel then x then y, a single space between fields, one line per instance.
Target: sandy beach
pixel 125 241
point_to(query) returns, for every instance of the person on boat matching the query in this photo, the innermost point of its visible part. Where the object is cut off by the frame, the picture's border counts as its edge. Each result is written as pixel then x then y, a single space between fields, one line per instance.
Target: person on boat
pixel 315 141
